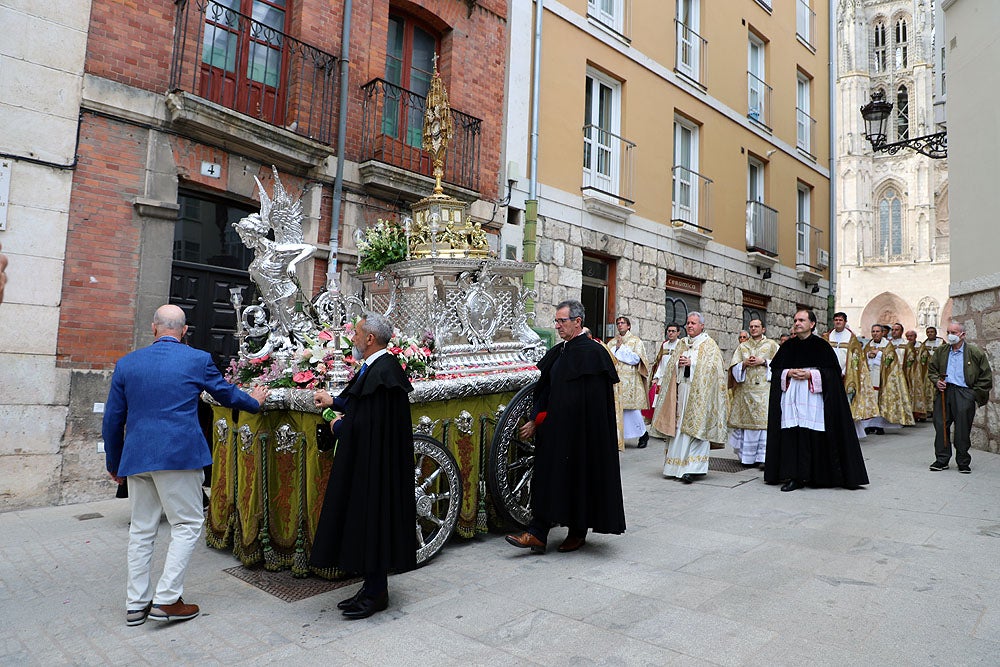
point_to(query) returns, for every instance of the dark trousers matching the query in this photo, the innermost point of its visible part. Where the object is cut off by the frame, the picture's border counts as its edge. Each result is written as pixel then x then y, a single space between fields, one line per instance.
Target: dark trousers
pixel 540 529
pixel 375 583
pixel 960 410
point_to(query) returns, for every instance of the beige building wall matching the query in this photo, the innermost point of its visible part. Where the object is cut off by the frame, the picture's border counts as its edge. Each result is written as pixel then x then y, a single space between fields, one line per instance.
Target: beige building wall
pixel 637 236
pixel 973 49
pixel 41 69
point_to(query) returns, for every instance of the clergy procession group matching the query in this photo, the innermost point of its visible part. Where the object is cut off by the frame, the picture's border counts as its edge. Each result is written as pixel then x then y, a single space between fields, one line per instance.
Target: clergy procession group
pixel 795 407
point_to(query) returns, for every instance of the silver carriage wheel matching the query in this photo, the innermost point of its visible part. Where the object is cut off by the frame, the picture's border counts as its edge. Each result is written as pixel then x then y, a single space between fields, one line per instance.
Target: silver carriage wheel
pixel 512 461
pixel 438 491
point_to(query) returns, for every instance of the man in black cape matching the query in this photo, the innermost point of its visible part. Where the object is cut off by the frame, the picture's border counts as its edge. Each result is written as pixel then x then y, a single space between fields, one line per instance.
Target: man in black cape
pixel 818 445
pixel 576 480
pixel 369 512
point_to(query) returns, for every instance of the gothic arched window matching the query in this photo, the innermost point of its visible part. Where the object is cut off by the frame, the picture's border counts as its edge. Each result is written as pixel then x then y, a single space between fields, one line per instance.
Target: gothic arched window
pixel 900 44
pixel 880 47
pixel 890 226
pixel 902 114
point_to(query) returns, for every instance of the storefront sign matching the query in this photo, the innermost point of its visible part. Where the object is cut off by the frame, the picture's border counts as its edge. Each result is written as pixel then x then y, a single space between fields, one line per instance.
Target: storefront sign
pixel 682 284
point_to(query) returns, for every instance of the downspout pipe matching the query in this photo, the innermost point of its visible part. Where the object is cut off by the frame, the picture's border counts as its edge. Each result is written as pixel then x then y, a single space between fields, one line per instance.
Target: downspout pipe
pixel 531 204
pixel 338 181
pixel 832 111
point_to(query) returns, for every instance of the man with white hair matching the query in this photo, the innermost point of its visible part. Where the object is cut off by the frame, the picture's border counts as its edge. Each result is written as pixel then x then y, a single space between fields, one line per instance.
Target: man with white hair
pixel 695 412
pixel 152 437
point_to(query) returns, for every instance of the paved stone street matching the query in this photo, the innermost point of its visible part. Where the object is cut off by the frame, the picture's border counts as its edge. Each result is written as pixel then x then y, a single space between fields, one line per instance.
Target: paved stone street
pixel 727 571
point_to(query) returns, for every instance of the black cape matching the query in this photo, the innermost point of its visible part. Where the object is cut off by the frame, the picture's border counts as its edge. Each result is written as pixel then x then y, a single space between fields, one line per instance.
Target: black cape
pixel 576 480
pixel 831 458
pixel 368 520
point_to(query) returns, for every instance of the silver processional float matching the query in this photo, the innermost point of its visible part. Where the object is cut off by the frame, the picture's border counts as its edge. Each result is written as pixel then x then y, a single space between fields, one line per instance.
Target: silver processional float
pixel 462 331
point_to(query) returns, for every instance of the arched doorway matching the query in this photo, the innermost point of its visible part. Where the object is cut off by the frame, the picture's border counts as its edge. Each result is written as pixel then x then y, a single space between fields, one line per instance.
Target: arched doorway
pixel 887 308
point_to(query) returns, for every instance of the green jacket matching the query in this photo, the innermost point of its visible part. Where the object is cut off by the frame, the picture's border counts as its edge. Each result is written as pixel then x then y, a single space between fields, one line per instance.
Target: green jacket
pixel 978 375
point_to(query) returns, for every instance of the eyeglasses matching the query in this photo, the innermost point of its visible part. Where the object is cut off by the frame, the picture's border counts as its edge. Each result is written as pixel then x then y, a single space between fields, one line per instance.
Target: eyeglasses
pixel 564 320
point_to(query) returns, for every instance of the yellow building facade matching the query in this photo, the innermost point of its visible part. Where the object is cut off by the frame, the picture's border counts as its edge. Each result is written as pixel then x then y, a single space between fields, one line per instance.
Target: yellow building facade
pixel 682 158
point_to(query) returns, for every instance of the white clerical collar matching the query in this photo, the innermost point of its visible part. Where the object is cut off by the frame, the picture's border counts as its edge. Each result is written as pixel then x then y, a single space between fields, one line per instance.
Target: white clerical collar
pixel 698 340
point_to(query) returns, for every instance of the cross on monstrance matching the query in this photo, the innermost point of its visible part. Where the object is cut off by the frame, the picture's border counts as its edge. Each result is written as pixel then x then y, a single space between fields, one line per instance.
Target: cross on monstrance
pixel 438 126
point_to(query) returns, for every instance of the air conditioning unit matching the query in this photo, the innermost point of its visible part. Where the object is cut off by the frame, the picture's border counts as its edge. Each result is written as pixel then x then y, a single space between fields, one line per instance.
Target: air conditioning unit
pixel 823 258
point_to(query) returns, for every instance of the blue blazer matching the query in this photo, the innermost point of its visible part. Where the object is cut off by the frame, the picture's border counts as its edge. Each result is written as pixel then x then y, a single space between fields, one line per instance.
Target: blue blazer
pixel 151 416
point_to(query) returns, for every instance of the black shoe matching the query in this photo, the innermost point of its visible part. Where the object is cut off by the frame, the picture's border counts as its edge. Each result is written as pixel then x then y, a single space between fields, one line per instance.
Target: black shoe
pixel 965 470
pixel 351 601
pixel 643 440
pixel 792 485
pixel 938 467
pixel 687 478
pixel 366 606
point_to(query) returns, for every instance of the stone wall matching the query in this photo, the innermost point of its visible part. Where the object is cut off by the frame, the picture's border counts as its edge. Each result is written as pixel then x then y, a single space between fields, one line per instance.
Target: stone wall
pixel 642 271
pixel 980 313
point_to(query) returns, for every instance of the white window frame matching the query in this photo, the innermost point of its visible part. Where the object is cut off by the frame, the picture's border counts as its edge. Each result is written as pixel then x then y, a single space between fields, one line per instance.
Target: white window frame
pixel 609 12
pixel 803 226
pixel 609 182
pixel 689 16
pixel 803 24
pixel 803 127
pixel 685 180
pixel 880 50
pixel 756 89
pixel 755 180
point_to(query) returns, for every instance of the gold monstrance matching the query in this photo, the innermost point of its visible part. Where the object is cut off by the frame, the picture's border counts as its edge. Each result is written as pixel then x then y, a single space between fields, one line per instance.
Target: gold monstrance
pixel 441 224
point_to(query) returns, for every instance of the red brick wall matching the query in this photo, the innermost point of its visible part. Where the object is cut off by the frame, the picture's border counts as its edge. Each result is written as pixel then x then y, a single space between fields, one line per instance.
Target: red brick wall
pixel 96 318
pixel 130 41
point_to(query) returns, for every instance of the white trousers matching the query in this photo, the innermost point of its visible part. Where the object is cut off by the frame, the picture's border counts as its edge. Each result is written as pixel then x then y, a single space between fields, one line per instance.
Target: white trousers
pixel 176 493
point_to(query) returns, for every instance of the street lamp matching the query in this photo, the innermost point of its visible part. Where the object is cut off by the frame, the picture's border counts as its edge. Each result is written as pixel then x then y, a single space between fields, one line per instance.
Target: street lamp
pixel 877 113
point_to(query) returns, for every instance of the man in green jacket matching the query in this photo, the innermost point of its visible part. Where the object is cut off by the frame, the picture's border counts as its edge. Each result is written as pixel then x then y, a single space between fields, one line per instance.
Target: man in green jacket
pixel 961 373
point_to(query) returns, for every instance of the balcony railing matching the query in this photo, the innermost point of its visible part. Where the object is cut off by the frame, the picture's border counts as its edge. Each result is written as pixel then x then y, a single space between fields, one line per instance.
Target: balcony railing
pixel 805 21
pixel 253 68
pixel 615 15
pixel 811 235
pixel 691 200
pixel 762 229
pixel 805 131
pixel 392 131
pixel 607 165
pixel 758 100
pixel 691 55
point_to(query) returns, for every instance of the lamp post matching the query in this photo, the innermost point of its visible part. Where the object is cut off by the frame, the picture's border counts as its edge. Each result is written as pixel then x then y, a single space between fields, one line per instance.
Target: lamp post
pixel 877 114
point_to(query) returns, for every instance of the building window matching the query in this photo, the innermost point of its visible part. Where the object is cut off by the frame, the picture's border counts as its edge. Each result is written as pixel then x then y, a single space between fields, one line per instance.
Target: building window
pixel 754 308
pixel 601 141
pixel 682 297
pixel 890 226
pixel 685 172
pixel 690 45
pixel 755 180
pixel 900 44
pixel 804 122
pixel 609 12
pixel 204 233
pixel 243 55
pixel 804 20
pixel 597 286
pixel 758 92
pixel 803 228
pixel 880 47
pixel 902 114
pixel 409 64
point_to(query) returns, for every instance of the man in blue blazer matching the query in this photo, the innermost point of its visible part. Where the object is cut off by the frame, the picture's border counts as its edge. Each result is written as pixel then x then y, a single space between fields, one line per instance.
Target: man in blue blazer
pixel 152 437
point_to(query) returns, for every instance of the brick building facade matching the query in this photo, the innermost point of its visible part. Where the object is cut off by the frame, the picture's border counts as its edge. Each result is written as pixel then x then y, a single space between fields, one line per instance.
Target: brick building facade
pixel 183 103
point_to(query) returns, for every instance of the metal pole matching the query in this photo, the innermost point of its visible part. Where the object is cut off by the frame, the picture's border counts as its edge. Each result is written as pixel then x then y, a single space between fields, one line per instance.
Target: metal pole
pixel 531 204
pixel 338 182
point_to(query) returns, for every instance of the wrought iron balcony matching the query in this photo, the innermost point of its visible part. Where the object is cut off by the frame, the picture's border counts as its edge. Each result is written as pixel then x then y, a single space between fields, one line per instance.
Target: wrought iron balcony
pixel 762 229
pixel 608 163
pixel 758 101
pixel 392 133
pixel 807 237
pixel 691 56
pixel 253 68
pixel 805 131
pixel 691 200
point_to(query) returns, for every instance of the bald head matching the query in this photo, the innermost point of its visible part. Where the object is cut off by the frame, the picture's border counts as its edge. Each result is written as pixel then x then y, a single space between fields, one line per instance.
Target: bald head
pixel 169 320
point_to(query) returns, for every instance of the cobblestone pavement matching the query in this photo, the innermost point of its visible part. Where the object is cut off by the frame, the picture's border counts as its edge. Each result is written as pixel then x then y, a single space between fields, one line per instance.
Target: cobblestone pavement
pixel 727 571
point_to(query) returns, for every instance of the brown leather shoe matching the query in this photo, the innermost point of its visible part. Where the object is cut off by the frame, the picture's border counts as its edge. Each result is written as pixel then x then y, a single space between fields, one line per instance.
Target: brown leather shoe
pixel 571 543
pixel 526 540
pixel 178 611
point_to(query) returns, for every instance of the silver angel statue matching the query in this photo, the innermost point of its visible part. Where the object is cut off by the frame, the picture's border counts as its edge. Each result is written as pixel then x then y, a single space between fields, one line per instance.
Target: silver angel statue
pixel 273 269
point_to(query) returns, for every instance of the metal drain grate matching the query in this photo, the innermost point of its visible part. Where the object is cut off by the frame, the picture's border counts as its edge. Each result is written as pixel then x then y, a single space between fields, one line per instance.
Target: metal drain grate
pixel 725 465
pixel 284 586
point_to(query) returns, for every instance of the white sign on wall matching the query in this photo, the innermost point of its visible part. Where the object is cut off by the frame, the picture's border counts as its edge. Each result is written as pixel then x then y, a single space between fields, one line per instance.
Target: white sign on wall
pixel 4 193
